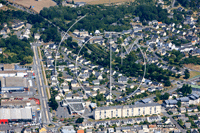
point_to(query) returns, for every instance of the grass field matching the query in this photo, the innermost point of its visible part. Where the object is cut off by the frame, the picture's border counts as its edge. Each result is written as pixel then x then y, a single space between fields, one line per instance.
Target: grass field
pixel 38 5
pixel 192 66
pixel 194 73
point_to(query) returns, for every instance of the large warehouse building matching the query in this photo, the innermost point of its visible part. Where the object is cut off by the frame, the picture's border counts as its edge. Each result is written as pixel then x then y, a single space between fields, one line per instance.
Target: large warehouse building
pixel 9 84
pixel 15 114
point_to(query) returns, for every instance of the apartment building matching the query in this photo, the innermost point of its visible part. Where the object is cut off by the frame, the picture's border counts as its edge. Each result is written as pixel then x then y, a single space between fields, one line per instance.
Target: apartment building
pixel 126 111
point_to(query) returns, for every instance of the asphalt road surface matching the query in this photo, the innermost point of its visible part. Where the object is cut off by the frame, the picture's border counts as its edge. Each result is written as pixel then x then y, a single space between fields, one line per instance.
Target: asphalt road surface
pixel 41 88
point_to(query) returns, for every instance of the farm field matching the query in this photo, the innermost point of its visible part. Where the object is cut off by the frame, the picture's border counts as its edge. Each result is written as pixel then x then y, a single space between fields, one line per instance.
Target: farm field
pixel 38 5
pixel 93 2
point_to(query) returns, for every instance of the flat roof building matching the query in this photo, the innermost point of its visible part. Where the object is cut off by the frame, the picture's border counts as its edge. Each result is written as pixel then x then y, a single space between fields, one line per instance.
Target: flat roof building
pixel 15 114
pixel 8 67
pixel 13 84
pixel 76 106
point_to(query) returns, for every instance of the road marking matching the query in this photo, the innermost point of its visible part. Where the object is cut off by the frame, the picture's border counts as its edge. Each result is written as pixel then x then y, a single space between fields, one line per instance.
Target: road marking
pixel 42 91
pixel 45 104
pixel 46 111
pixel 47 116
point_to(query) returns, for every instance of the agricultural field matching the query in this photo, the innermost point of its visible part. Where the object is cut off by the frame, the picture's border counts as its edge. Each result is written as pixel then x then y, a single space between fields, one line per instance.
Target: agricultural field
pixel 93 2
pixel 37 5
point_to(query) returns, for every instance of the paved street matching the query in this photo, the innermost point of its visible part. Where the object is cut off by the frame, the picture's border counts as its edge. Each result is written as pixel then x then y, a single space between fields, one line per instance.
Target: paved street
pixel 41 88
pixel 174 122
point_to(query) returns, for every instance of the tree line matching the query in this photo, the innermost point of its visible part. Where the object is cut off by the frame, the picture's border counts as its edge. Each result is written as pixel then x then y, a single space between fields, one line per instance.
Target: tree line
pixel 102 17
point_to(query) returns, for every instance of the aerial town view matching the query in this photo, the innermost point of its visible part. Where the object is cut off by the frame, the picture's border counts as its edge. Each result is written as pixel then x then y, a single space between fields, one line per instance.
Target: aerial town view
pixel 99 66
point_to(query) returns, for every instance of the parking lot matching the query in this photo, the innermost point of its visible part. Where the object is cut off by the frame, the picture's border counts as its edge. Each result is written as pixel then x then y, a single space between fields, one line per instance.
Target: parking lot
pixel 62 112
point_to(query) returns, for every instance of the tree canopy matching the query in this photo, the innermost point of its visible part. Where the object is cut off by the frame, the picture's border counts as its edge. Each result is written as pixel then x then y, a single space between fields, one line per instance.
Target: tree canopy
pixel 186 89
pixel 15 50
pixel 102 17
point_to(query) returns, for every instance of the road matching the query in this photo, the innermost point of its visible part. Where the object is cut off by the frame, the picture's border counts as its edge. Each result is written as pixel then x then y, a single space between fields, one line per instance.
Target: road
pixel 41 88
pixel 173 2
pixel 174 122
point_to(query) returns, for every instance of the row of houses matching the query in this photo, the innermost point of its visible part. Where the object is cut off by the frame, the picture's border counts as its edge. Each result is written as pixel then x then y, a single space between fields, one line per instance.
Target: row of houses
pixel 192 99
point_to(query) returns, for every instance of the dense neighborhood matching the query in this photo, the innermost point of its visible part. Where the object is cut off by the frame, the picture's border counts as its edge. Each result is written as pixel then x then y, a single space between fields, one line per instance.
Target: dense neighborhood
pixel 134 72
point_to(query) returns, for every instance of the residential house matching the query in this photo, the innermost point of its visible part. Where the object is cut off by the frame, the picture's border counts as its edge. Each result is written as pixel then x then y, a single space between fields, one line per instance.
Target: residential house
pixel 194 99
pixel 122 79
pixel 126 129
pixel 182 110
pixel 74 83
pixel 108 96
pixel 17 26
pixel 187 125
pixel 95 88
pixel 69 78
pixel 190 109
pixel 85 83
pixel 1 51
pixel 96 82
pixel 37 36
pixel 128 121
pixel 98 123
pixel 66 88
pixel 184 101
pixel 98 75
pixel 170 103
pixel 153 119
pixel 68 96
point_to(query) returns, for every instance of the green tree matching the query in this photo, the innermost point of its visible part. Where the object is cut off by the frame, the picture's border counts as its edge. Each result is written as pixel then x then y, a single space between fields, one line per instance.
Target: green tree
pixel 179 104
pixel 156 99
pixel 178 76
pixel 28 59
pixel 198 107
pixel 187 74
pixel 186 89
pixel 79 120
pixel 52 103
pixel 167 83
pixel 165 96
pixel 60 74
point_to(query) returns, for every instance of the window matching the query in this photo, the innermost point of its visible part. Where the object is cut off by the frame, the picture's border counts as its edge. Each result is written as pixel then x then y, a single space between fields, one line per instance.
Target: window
pixel 132 111
pixel 100 114
pixel 116 113
pixel 138 111
pixel 105 114
pixel 155 109
pixel 111 114
pixel 127 112
pixel 143 110
pixel 150 109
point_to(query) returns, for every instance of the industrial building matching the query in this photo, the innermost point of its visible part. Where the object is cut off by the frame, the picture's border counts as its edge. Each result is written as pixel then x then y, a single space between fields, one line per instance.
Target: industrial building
pixel 11 70
pixel 126 111
pixel 15 114
pixel 9 84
